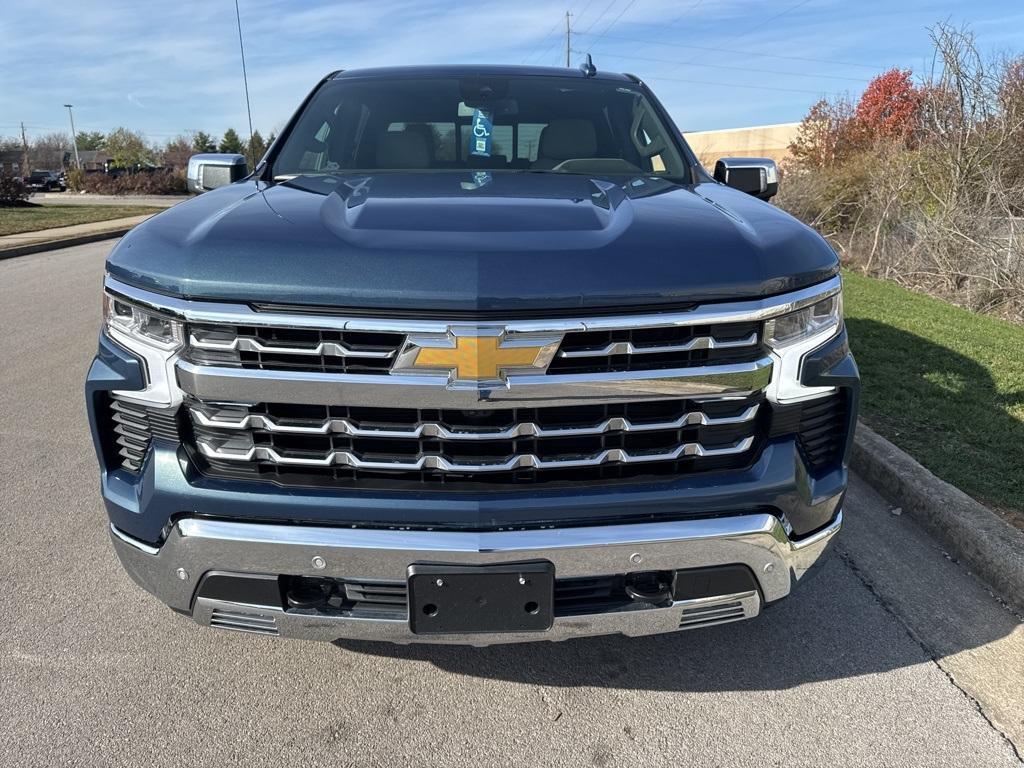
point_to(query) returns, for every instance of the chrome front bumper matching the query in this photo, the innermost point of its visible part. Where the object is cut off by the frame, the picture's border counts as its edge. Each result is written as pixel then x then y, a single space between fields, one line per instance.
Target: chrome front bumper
pixel 196 546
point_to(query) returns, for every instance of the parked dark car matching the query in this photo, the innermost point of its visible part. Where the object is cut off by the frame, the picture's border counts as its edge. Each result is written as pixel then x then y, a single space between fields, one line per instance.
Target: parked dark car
pixel 46 181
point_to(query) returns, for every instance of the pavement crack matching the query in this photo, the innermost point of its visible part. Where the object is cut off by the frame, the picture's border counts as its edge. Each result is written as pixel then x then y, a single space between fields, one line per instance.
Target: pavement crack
pixel 928 651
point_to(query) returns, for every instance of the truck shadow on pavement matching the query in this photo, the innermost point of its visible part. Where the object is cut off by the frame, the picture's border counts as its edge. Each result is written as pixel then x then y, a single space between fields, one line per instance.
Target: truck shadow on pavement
pixel 832 627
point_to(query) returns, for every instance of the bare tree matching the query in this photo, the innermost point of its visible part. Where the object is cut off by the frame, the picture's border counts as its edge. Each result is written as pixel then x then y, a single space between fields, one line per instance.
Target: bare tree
pixel 48 151
pixel 965 218
pixel 177 151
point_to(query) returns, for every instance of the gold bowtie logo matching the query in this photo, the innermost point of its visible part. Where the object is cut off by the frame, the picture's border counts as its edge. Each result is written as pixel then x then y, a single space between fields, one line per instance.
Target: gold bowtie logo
pixel 476 358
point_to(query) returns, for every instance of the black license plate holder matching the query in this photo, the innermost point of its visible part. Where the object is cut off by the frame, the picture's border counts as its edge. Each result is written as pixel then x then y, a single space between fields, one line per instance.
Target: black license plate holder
pixel 475 599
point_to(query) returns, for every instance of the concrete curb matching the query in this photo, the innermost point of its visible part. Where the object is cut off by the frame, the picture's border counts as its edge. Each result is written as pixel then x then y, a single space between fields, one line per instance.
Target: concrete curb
pixel 64 242
pixel 992 548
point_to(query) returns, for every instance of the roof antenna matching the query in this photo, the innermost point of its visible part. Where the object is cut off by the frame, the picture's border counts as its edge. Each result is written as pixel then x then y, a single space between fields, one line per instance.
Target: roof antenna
pixel 587 68
pixel 245 81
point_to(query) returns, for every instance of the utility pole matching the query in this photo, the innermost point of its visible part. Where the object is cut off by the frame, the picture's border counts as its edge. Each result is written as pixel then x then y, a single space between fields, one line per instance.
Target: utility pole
pixel 74 138
pixel 568 42
pixel 24 152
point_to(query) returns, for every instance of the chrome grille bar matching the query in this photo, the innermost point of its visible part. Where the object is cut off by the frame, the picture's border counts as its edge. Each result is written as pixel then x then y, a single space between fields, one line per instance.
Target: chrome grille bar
pixel 225 384
pixel 435 429
pixel 441 464
pixel 628 348
pixel 249 344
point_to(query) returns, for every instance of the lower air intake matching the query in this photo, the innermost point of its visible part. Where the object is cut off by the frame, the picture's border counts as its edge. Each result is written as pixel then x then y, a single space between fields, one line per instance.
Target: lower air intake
pixel 706 612
pixel 134 428
pixel 237 621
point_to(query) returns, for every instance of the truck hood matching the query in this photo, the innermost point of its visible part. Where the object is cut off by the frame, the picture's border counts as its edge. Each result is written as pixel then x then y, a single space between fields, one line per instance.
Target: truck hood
pixel 473 242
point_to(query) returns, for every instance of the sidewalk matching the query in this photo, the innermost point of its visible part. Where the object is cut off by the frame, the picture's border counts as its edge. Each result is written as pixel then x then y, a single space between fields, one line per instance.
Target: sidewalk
pixel 60 237
pixel 72 198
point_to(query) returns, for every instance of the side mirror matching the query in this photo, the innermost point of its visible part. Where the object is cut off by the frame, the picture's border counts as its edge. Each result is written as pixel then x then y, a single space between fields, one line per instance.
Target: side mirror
pixel 210 171
pixel 757 176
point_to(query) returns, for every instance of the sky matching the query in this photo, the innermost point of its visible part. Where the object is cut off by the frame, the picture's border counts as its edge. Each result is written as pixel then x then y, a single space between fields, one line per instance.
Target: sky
pixel 168 67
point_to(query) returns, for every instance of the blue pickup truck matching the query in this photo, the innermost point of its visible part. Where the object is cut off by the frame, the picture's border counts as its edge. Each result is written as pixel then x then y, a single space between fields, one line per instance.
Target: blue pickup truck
pixel 474 355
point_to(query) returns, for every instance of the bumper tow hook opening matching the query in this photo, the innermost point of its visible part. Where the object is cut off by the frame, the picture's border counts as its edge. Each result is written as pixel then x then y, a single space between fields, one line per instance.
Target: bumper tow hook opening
pixel 308 593
pixel 650 586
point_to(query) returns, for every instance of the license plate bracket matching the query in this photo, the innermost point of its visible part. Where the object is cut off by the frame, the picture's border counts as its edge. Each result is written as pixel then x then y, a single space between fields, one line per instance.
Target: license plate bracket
pixel 474 599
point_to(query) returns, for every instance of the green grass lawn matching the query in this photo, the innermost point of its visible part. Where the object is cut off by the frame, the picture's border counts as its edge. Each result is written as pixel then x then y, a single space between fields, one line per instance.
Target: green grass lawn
pixel 944 384
pixel 17 220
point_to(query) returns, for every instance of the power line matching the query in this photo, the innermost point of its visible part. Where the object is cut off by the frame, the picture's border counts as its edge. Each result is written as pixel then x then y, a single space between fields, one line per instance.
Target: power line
pixel 742 85
pixel 778 15
pixel 760 24
pixel 717 49
pixel 579 16
pixel 545 37
pixel 595 21
pixel 621 13
pixel 631 57
pixel 684 13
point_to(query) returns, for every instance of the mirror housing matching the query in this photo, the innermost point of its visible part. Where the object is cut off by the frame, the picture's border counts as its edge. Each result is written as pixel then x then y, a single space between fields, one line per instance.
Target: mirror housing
pixel 757 176
pixel 209 171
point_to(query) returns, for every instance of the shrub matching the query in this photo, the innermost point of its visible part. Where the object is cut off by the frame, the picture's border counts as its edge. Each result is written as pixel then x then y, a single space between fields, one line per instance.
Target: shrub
pixel 12 191
pixel 158 182
pixel 76 179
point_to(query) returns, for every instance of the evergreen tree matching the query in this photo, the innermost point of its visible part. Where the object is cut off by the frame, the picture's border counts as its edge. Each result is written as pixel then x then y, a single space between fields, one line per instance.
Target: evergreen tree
pixel 204 142
pixel 88 140
pixel 231 144
pixel 257 148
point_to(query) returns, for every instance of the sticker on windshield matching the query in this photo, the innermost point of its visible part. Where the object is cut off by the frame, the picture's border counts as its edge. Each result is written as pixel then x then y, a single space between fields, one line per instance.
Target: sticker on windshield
pixel 480 136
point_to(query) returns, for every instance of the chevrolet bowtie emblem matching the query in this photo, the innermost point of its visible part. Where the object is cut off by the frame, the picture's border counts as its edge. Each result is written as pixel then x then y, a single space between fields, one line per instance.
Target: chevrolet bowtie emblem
pixel 476 354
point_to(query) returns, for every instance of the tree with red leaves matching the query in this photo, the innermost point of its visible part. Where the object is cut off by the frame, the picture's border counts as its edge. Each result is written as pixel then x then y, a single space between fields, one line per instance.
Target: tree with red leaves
pixel 890 107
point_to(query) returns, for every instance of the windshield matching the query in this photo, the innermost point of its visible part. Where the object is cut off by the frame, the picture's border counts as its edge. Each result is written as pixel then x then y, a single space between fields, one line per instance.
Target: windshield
pixel 557 124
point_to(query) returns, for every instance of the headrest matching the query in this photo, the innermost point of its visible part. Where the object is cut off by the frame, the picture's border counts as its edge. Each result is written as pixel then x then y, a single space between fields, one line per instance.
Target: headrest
pixel 565 139
pixel 403 149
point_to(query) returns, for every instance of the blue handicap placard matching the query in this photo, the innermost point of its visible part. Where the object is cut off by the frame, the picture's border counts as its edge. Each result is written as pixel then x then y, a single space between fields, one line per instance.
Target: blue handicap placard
pixel 480 135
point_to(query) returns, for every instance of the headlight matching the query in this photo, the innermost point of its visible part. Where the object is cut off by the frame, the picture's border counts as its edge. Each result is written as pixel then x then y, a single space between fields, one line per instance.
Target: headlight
pixel 806 323
pixel 143 324
pixel 792 335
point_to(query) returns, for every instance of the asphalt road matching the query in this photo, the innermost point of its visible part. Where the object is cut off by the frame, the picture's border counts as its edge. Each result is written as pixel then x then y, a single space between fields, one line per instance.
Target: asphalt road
pixel 892 656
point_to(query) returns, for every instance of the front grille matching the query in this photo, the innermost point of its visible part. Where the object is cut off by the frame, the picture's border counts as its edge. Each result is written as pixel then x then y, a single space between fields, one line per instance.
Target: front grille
pixel 134 427
pixel 633 349
pixel 339 445
pixel 322 398
pixel 294 349
pixel 362 352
